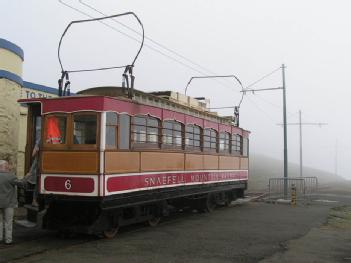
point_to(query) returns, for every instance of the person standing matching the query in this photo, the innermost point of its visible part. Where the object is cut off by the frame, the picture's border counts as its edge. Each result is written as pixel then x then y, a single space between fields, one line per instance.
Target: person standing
pixel 8 201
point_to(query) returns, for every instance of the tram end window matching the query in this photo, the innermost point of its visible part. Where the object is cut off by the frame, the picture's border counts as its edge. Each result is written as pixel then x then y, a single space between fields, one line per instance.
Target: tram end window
pixel 245 150
pixel 55 129
pixel 124 131
pixel 84 128
pixel 111 129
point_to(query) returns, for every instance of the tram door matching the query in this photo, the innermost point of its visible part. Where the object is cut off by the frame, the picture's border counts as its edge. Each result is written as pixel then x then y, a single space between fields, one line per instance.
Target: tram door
pixel 34 128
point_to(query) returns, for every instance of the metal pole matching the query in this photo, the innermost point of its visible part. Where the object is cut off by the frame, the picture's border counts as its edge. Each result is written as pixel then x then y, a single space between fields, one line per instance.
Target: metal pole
pixel 300 124
pixel 336 158
pixel 285 136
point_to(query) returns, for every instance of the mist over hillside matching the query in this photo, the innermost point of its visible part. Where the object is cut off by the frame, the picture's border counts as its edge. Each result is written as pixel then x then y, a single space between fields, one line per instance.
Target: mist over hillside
pixel 262 168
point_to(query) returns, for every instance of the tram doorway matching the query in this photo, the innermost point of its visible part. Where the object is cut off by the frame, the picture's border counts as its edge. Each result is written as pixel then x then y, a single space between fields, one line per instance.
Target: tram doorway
pixel 34 129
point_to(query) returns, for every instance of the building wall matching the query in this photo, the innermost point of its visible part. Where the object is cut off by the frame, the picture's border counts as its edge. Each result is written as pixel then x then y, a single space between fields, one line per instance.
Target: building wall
pixel 13 116
pixel 11 60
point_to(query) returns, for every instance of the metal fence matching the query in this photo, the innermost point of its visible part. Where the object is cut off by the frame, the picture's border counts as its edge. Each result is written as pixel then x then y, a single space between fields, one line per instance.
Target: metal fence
pixel 305 187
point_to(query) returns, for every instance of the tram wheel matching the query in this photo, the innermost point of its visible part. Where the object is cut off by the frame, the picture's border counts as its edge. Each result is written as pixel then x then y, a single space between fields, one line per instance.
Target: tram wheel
pixel 207 204
pixel 154 221
pixel 210 204
pixel 111 233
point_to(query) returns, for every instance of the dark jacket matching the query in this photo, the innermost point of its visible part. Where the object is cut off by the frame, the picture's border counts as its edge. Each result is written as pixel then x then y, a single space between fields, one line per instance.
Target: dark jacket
pixel 8 191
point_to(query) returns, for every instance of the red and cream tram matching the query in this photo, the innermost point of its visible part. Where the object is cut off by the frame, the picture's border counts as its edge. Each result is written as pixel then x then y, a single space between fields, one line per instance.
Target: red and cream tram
pixel 107 160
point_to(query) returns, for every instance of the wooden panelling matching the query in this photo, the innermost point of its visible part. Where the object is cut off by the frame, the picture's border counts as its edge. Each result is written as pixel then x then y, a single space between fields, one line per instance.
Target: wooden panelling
pixel 155 161
pixel 122 162
pixel 70 162
pixel 244 163
pixel 210 162
pixel 194 162
pixel 229 162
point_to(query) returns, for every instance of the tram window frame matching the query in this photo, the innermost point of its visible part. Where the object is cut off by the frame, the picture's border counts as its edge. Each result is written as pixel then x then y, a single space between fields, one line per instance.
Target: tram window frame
pixel 44 133
pixel 190 131
pixel 236 144
pixel 245 147
pixel 145 127
pixel 174 134
pixel 211 140
pixel 226 142
pixel 97 132
pixel 124 134
pixel 115 126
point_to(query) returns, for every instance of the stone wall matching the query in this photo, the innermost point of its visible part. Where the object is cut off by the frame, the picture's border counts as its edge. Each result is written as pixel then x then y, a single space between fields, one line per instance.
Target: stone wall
pixel 9 119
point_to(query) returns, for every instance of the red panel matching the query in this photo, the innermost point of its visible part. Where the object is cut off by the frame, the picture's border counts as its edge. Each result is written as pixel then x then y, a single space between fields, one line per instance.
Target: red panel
pixel 131 108
pixel 72 104
pixel 210 124
pixel 194 120
pixel 236 130
pixel 172 115
pixel 225 128
pixel 69 184
pixel 122 183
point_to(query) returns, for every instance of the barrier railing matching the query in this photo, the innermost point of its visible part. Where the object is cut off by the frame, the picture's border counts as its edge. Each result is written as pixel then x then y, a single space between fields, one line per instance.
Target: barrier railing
pixel 303 187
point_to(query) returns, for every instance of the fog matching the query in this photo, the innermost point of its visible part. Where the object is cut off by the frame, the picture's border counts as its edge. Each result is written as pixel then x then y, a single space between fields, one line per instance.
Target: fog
pixel 245 38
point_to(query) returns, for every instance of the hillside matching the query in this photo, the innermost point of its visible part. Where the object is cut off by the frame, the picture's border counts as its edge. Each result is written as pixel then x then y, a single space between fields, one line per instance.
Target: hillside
pixel 262 168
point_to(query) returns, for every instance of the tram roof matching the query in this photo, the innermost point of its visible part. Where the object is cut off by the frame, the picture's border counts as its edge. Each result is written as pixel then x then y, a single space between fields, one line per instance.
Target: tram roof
pixel 164 110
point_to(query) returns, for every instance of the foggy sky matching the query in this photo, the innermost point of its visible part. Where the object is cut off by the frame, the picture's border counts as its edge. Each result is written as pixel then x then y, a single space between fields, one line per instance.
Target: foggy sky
pixel 245 38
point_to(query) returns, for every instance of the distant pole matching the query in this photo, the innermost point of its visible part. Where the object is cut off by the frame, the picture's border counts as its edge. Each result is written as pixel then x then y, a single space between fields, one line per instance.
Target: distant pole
pixel 336 158
pixel 285 136
pixel 300 126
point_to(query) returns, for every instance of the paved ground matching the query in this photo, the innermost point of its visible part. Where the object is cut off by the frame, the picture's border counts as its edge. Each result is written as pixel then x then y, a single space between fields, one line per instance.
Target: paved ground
pixel 250 232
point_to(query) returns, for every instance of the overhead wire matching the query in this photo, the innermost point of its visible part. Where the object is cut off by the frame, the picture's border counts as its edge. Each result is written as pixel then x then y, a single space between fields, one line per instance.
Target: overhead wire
pixel 147 45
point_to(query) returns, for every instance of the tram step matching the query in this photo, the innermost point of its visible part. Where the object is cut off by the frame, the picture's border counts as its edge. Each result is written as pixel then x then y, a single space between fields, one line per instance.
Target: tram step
pixel 25 223
pixel 32 213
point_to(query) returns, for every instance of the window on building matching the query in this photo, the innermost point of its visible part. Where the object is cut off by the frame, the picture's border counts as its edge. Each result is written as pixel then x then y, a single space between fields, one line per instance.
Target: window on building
pixel 210 140
pixel 172 133
pixel 84 128
pixel 111 129
pixel 55 129
pixel 224 142
pixel 124 131
pixel 145 130
pixel 193 137
pixel 236 143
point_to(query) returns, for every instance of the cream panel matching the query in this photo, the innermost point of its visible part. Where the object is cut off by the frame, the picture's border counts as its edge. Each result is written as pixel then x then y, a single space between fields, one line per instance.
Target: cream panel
pixel 154 161
pixel 244 163
pixel 10 62
pixel 122 162
pixel 210 162
pixel 194 162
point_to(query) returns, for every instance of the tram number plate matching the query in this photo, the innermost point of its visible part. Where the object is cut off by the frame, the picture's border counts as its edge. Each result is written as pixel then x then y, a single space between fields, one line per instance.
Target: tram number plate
pixel 68 184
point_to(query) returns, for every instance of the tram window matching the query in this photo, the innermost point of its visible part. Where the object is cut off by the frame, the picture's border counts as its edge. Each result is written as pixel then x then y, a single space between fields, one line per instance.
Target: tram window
pixel 224 142
pixel 210 140
pixel 245 147
pixel 55 129
pixel 145 130
pixel 236 143
pixel 111 129
pixel 124 131
pixel 193 137
pixel 152 130
pixel 172 133
pixel 84 128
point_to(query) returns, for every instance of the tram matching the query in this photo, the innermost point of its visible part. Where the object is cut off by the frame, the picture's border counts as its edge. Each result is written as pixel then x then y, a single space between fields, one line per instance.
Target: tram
pixel 107 160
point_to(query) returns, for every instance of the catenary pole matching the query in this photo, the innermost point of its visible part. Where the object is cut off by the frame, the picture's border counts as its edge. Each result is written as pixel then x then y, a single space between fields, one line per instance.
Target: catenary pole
pixel 285 136
pixel 300 127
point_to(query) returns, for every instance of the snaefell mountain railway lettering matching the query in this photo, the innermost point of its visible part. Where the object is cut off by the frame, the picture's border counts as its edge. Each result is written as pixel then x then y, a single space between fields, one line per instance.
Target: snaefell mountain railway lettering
pixel 176 179
pixel 163 180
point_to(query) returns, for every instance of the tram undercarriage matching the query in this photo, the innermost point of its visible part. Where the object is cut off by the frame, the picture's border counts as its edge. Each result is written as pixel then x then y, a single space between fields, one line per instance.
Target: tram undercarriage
pixel 104 216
